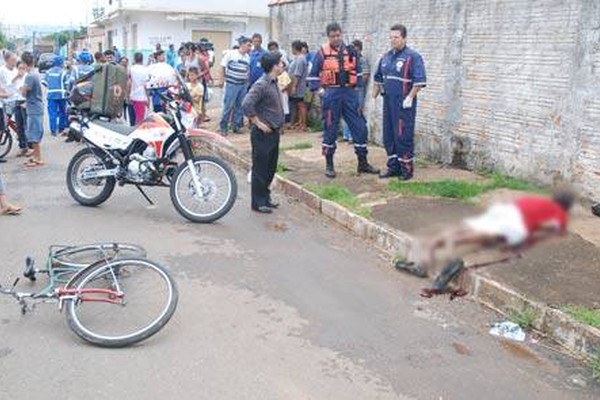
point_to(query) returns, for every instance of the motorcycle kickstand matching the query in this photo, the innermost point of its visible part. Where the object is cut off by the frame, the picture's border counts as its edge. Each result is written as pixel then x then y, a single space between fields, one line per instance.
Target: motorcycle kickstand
pixel 144 194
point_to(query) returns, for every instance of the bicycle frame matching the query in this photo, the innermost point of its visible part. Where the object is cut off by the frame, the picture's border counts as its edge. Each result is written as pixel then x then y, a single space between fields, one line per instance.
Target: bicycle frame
pixel 57 290
pixel 463 277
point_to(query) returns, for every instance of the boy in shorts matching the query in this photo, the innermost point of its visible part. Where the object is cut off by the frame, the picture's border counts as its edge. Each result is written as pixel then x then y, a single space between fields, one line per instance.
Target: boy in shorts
pixel 32 91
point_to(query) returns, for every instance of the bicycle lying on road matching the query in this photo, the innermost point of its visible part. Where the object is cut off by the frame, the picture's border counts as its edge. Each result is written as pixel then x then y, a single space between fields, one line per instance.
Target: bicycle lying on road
pixel 113 297
pixel 455 270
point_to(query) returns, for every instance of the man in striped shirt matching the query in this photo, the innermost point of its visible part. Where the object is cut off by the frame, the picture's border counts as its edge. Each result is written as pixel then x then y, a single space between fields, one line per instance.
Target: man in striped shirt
pixel 236 71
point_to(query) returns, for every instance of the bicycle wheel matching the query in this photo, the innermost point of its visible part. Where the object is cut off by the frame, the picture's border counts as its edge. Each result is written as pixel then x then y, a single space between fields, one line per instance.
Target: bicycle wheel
pixel 6 143
pixel 149 299
pixel 83 256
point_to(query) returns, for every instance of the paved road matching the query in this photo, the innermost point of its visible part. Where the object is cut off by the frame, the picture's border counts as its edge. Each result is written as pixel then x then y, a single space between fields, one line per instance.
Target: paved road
pixel 278 307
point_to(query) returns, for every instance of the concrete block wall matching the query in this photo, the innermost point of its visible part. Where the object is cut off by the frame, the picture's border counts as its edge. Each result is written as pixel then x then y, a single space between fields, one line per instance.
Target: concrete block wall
pixel 514 83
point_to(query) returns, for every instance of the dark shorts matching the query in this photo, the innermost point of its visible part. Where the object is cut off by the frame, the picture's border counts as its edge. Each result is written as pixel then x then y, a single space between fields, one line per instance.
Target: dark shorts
pixel 35 128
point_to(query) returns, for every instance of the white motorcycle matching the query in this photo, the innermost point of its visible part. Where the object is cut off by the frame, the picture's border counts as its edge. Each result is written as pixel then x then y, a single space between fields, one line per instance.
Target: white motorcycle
pixel 203 188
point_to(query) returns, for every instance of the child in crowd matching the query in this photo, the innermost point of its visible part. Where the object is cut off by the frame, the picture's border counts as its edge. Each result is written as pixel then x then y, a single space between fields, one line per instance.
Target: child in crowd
pixel 197 91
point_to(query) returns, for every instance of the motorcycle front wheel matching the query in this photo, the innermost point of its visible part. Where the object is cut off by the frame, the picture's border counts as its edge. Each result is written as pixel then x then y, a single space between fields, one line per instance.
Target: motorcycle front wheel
pixel 89 192
pixel 217 194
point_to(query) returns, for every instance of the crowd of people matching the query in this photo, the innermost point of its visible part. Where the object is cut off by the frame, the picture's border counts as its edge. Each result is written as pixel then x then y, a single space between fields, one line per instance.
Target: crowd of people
pixel 338 74
pixel 335 73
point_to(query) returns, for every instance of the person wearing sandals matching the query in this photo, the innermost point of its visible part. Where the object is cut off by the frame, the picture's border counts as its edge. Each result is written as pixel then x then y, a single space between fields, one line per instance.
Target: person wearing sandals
pixel 6 208
pixel 17 102
pixel 32 91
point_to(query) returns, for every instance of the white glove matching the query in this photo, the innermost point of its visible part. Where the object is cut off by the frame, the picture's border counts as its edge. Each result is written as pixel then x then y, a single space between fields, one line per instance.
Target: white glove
pixel 408 102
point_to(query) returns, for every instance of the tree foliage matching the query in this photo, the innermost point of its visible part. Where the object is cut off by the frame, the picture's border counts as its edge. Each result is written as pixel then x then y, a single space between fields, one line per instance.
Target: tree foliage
pixel 3 40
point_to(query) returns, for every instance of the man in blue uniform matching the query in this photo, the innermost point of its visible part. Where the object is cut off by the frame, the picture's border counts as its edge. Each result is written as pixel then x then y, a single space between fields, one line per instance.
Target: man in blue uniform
pixel 83 67
pixel 256 70
pixel 57 82
pixel 400 76
pixel 336 69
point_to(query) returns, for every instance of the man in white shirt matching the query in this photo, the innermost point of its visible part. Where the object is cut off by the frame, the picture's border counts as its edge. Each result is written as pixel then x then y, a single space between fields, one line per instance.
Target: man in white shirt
pixel 161 76
pixel 236 74
pixel 8 76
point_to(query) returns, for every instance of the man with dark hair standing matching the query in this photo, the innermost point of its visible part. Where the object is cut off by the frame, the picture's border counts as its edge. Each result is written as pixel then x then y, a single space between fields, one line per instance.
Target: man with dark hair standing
pixel 400 76
pixel 32 91
pixel 99 59
pixel 109 57
pixel 336 69
pixel 256 70
pixel 236 71
pixel 263 108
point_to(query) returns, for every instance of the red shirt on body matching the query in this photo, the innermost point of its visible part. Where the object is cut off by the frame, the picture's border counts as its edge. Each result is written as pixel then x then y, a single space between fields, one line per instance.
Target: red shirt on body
pixel 540 212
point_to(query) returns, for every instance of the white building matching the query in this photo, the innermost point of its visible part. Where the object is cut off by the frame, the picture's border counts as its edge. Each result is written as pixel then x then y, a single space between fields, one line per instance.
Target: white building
pixel 138 25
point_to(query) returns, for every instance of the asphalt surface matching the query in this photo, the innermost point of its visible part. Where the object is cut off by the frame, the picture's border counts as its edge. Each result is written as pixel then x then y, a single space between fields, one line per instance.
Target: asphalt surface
pixel 271 307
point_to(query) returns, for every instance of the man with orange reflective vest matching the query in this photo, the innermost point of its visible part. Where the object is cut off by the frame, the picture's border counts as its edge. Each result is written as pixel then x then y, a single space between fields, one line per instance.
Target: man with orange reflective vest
pixel 337 70
pixel 399 77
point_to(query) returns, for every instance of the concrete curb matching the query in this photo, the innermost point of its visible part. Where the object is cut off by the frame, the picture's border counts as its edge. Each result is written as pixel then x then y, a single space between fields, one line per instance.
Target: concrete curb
pixel 581 340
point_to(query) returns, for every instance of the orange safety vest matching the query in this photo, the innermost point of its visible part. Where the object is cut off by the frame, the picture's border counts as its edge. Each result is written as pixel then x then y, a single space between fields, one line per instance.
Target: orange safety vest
pixel 332 73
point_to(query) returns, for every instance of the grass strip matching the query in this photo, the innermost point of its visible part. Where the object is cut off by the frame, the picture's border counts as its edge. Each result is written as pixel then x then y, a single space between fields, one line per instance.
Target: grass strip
pixel 341 195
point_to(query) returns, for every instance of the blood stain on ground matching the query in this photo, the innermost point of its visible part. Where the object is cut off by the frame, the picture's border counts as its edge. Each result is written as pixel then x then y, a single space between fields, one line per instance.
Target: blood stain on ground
pixel 520 351
pixel 461 349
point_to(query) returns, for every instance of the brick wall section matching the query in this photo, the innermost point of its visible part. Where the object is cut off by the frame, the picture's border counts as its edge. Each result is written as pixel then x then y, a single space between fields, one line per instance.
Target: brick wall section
pixel 516 83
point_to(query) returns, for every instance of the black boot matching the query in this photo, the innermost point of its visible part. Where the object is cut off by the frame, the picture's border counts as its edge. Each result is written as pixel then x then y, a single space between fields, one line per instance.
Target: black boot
pixel 329 169
pixel 389 174
pixel 364 167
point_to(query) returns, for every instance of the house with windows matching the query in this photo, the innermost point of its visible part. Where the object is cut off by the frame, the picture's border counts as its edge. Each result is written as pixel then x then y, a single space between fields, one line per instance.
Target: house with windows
pixel 138 25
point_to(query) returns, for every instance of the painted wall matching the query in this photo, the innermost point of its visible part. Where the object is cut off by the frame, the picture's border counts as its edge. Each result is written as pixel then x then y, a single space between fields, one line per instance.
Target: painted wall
pixel 254 7
pixel 155 28
pixel 515 83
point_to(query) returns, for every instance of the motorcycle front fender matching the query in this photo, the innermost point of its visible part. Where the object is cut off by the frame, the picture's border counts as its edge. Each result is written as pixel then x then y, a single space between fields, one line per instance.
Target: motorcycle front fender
pixel 202 136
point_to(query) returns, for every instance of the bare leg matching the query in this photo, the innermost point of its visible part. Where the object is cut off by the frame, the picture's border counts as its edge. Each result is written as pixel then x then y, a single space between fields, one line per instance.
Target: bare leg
pixel 302 115
pixel 451 240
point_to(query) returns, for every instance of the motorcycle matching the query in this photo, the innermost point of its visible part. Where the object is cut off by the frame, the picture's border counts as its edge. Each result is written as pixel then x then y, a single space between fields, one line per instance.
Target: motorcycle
pixel 202 188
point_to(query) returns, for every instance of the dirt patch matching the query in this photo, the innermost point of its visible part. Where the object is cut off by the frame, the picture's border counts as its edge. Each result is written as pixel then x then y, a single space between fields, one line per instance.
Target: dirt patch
pixel 461 349
pixel 561 271
pixel 278 226
pixel 423 216
pixel 520 351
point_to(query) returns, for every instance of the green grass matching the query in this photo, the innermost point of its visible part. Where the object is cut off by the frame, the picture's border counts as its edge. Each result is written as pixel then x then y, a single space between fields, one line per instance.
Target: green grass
pixel 315 125
pixel 584 314
pixel 298 146
pixel 595 365
pixel 421 161
pixel 500 181
pixel 281 168
pixel 447 188
pixel 524 317
pixel 341 195
pixel 462 190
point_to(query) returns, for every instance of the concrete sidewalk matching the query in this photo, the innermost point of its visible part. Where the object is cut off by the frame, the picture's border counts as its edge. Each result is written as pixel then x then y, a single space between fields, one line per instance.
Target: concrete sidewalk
pixel 551 276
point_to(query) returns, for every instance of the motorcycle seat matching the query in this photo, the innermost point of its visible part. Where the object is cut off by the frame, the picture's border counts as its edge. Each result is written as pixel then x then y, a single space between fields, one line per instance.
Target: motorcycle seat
pixel 118 128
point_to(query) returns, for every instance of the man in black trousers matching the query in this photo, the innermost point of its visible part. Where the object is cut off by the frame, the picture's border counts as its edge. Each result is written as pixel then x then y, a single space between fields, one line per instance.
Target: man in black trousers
pixel 262 106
